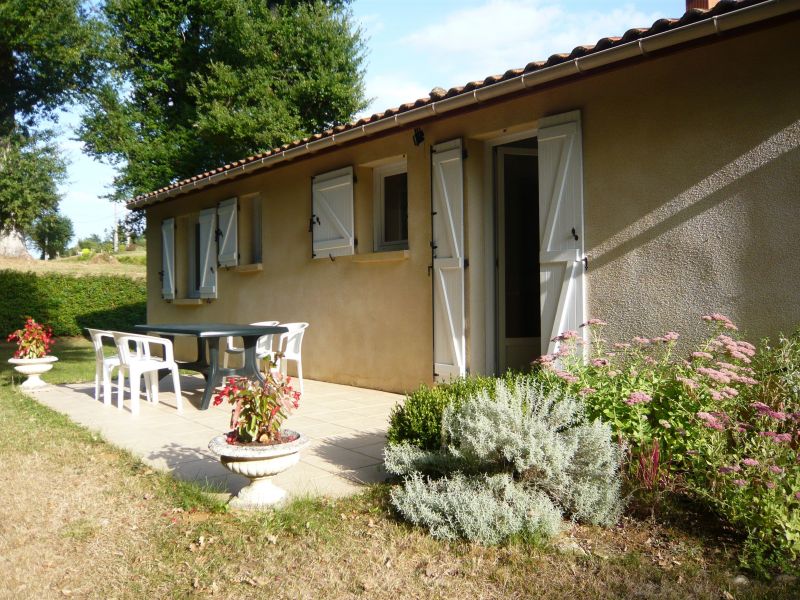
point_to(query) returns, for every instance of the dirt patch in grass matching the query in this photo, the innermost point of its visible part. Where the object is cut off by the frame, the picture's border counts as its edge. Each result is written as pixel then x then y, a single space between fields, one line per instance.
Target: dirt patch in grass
pixel 85 520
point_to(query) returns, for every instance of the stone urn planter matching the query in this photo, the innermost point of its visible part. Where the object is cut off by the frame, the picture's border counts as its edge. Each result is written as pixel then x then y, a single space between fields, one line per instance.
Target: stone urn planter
pixel 33 368
pixel 259 463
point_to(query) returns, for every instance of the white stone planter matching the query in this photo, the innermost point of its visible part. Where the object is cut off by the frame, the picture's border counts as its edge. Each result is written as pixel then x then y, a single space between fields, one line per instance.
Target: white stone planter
pixel 33 368
pixel 259 464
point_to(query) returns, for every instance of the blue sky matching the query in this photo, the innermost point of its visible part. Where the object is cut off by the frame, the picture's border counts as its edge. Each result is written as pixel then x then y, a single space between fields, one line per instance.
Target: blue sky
pixel 412 47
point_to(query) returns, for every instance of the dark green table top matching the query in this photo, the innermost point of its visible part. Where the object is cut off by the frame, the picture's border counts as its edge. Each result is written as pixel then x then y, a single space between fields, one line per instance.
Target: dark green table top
pixel 211 330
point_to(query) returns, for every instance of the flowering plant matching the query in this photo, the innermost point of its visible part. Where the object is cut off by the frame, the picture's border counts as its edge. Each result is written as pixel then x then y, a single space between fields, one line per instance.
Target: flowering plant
pixel 33 341
pixel 747 463
pixel 646 390
pixel 258 408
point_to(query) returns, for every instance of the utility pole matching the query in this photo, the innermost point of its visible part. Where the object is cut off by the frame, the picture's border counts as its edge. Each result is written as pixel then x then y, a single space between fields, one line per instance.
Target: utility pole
pixel 116 230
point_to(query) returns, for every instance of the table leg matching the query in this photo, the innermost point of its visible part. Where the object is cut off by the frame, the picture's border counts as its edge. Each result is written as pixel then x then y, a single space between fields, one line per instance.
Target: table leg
pixel 214 377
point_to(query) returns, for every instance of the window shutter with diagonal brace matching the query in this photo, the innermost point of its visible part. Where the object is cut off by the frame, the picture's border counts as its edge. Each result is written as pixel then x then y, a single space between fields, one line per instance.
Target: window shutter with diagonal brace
pixel 208 253
pixel 168 259
pixel 332 214
pixel 227 218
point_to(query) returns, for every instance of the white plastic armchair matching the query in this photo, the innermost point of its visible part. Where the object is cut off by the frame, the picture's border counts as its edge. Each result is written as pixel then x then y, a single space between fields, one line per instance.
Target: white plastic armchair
pixel 263 345
pixel 137 359
pixel 104 365
pixel 290 345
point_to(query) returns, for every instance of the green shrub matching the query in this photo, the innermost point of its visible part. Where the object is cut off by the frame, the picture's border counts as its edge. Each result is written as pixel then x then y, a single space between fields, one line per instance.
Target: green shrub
pixel 418 420
pixel 518 451
pixel 69 304
pixel 137 259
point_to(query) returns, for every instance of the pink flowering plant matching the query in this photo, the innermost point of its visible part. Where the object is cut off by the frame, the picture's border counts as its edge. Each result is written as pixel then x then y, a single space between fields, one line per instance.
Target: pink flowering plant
pixel 747 463
pixel 722 419
pixel 34 340
pixel 647 390
pixel 259 408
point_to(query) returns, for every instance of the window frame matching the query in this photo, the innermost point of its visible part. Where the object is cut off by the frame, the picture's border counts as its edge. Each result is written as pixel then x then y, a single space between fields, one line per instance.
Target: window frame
pixel 379 175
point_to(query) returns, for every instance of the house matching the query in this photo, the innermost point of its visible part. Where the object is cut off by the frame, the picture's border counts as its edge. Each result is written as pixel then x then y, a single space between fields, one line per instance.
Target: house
pixel 647 179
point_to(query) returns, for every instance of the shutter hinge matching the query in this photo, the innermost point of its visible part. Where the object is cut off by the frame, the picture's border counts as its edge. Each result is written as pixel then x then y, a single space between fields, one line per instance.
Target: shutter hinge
pixel 355 242
pixel 585 263
pixel 466 263
pixel 313 221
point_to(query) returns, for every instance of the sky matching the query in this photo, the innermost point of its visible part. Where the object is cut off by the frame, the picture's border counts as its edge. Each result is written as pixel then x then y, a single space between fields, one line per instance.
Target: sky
pixel 412 46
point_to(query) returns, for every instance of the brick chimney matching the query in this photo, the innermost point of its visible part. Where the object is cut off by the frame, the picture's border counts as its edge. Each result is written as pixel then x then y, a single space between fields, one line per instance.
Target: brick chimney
pixel 701 4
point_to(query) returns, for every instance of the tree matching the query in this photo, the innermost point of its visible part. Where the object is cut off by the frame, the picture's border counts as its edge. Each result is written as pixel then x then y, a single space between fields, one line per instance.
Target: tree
pixel 47 58
pixel 51 234
pixel 203 82
pixel 29 178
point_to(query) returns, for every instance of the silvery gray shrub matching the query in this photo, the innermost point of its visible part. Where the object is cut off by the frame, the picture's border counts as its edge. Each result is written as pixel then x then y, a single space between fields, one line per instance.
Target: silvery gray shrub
pixel 508 465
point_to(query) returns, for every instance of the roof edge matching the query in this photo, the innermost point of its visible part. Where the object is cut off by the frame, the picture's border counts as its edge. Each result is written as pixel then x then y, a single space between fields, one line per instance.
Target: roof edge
pixel 694 25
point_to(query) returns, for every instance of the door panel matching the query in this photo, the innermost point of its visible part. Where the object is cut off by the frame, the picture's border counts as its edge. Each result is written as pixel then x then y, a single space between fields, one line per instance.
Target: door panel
pixel 561 227
pixel 449 339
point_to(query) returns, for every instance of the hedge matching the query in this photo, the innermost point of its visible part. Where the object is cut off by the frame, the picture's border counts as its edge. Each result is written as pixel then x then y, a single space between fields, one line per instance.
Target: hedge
pixel 68 303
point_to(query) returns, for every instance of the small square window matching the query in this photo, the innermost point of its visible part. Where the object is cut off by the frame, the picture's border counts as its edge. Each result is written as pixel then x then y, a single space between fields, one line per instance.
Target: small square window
pixel 391 207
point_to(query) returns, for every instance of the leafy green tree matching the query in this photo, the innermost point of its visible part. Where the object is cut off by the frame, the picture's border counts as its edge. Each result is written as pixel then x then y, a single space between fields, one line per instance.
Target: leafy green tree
pixel 47 58
pixel 51 234
pixel 198 83
pixel 31 171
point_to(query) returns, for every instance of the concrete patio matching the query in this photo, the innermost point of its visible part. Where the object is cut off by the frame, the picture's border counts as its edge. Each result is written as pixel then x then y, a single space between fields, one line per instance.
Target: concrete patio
pixel 346 425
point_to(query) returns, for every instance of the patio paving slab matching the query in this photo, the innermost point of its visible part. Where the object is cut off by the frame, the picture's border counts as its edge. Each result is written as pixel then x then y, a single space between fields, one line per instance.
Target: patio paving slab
pixel 346 425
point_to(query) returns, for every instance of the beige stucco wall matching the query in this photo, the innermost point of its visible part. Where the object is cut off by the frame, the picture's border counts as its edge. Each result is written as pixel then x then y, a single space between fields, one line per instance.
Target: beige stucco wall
pixel 691 176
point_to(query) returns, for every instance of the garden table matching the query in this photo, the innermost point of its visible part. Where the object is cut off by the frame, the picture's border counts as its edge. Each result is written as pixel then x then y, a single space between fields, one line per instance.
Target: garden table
pixel 208 363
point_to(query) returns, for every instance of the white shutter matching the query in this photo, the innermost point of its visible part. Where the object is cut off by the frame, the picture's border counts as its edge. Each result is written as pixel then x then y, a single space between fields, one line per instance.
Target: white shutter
pixel 332 218
pixel 449 345
pixel 208 253
pixel 560 227
pixel 227 214
pixel 168 259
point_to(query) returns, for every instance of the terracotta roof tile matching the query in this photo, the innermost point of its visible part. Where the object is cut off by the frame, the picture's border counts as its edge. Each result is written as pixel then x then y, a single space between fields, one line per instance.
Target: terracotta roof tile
pixel 437 94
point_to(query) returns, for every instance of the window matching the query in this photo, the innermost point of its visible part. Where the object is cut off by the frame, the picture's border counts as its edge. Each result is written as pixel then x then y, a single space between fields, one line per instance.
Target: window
pixel 391 206
pixel 250 228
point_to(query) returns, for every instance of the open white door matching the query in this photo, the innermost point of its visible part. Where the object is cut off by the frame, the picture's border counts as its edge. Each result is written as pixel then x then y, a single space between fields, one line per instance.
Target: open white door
pixel 208 253
pixel 449 344
pixel 168 259
pixel 561 257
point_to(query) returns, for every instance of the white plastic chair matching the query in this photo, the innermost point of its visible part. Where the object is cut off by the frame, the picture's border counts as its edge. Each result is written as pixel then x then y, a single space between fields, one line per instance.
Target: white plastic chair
pixel 104 365
pixel 137 360
pixel 263 345
pixel 290 346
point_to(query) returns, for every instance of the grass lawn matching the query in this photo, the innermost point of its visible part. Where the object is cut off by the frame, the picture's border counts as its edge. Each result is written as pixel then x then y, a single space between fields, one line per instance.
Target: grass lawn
pixel 83 519
pixel 133 267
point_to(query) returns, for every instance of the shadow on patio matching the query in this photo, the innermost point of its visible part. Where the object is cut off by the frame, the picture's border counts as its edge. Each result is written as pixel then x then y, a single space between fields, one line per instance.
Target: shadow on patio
pixel 346 426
